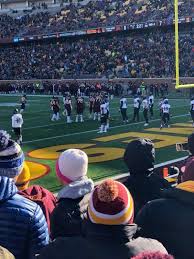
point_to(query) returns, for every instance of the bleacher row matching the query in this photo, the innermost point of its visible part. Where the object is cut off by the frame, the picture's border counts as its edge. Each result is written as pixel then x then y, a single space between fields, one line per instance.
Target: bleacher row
pixel 91 15
pixel 148 55
pixel 142 218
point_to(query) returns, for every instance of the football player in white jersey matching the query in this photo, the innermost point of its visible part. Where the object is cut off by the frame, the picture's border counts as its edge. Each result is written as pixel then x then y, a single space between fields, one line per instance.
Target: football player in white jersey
pixel 136 106
pixel 123 109
pixel 108 111
pixel 151 105
pixel 145 105
pixel 165 114
pixel 103 117
pixel 192 109
pixel 17 122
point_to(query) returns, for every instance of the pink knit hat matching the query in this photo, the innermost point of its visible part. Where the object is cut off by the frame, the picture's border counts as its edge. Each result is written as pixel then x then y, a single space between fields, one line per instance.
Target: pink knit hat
pixel 71 165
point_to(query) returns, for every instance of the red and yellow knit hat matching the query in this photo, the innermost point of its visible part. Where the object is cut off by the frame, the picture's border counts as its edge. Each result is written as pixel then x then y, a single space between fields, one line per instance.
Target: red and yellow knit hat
pixel 111 204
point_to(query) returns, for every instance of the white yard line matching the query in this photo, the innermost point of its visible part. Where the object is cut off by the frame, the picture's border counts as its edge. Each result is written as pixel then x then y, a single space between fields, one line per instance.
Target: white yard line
pixel 90 131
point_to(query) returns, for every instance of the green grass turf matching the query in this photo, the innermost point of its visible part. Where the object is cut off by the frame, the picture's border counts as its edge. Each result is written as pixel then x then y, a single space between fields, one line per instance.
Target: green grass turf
pixel 37 126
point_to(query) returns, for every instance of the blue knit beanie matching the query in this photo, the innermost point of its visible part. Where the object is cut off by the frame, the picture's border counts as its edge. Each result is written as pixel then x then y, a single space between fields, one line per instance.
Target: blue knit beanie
pixel 11 156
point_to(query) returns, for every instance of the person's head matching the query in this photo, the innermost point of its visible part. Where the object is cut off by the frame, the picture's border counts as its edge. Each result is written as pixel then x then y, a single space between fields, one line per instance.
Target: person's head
pixel 191 143
pixel 23 179
pixel 72 165
pixel 187 171
pixel 139 156
pixel 16 111
pixel 165 101
pixel 11 156
pixel 153 255
pixel 111 204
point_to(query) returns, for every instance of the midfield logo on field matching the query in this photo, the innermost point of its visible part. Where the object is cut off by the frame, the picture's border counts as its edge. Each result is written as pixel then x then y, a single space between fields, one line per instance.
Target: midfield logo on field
pixel 162 138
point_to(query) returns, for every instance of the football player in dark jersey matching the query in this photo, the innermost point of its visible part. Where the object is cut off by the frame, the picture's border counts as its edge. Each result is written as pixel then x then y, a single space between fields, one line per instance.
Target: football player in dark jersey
pixel 80 109
pixel 23 103
pixel 97 104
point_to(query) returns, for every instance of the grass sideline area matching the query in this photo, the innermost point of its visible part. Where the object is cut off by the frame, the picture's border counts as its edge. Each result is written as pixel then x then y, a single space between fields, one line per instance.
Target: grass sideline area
pixel 44 140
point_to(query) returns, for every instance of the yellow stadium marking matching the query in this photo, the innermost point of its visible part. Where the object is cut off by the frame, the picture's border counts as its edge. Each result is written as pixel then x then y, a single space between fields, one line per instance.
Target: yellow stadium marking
pixel 95 154
pixel 163 140
pixel 188 125
pixel 37 170
pixel 183 131
pixel 54 151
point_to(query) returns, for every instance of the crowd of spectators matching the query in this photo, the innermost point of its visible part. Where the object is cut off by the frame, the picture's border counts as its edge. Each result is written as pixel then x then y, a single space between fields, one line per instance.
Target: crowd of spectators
pixel 84 88
pixel 93 14
pixel 150 55
pixel 86 221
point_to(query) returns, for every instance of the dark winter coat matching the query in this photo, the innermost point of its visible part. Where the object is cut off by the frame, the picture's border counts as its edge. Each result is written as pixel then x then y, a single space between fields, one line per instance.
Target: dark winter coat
pixel 23 228
pixel 67 217
pixel 144 187
pixel 104 242
pixel 170 220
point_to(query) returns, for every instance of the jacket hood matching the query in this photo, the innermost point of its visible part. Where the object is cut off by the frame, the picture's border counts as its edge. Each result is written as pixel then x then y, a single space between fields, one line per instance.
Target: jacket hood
pixel 180 196
pixel 37 193
pixel 120 234
pixel 77 189
pixel 7 188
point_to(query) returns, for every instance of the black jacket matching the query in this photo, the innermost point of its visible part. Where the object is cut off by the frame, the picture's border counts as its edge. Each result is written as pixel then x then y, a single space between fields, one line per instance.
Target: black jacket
pixel 170 220
pixel 104 242
pixel 144 187
pixel 67 217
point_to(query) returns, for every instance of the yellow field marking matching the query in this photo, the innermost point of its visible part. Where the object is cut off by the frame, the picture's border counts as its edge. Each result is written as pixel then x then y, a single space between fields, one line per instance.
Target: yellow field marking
pixel 53 152
pixel 183 131
pixel 104 154
pixel 188 125
pixel 37 170
pixel 95 154
pixel 163 140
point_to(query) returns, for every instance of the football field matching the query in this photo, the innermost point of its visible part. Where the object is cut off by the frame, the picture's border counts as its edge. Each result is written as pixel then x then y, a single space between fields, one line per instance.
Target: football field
pixel 43 140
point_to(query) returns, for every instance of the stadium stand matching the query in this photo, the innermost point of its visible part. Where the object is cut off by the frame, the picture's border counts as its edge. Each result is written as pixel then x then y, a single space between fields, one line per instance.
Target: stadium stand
pixel 136 56
pixel 92 14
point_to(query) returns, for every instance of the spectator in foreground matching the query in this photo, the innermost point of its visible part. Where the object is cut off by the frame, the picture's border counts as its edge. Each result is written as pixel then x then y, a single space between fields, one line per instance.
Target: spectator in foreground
pixel 23 228
pixel 187 171
pixel 170 220
pixel 71 170
pixel 108 231
pixel 44 198
pixel 153 255
pixel 5 254
pixel 143 184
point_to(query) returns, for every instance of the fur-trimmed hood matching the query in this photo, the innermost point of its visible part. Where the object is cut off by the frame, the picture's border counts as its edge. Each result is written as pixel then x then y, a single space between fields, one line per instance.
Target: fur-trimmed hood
pixel 76 189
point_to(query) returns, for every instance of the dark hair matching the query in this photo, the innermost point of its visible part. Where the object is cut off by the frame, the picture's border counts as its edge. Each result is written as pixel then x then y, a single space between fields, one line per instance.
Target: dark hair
pixel 139 155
